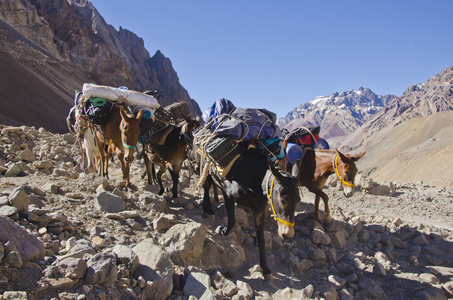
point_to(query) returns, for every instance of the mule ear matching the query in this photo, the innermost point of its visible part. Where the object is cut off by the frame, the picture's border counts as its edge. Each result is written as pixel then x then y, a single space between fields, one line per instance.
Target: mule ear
pixel 275 172
pixel 358 156
pixel 123 113
pixel 341 155
pixel 139 115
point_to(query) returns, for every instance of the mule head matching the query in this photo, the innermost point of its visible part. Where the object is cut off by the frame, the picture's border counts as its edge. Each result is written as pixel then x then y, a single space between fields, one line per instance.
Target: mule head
pixel 283 195
pixel 130 131
pixel 345 169
pixel 189 127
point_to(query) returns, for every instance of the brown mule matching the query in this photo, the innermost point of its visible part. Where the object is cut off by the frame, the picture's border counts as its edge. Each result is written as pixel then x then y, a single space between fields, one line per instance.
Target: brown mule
pixel 317 166
pixel 170 155
pixel 120 134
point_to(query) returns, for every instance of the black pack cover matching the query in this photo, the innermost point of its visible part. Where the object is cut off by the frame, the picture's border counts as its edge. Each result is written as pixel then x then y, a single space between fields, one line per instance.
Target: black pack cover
pixel 98 115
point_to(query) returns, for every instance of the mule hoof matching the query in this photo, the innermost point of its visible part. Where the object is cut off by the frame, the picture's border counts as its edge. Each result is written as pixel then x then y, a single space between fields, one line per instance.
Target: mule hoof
pixel 222 230
pixel 208 216
pixel 268 277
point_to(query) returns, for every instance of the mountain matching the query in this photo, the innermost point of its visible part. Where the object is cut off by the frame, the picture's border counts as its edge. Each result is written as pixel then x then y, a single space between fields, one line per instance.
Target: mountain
pixel 419 100
pixel 49 48
pixel 338 114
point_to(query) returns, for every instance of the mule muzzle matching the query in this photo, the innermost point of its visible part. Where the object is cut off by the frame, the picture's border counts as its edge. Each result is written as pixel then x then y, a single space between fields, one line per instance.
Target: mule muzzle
pixel 285 231
pixel 348 191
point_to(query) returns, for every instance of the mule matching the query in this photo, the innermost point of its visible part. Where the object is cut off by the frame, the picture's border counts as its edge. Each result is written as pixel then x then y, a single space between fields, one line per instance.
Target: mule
pixel 120 134
pixel 170 155
pixel 252 182
pixel 317 166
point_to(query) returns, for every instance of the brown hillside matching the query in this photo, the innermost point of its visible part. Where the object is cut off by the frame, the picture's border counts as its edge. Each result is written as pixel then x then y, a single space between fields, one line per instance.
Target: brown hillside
pixel 26 100
pixel 420 149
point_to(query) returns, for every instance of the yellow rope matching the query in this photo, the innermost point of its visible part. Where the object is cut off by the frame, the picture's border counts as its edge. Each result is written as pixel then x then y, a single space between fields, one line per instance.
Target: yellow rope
pixel 269 196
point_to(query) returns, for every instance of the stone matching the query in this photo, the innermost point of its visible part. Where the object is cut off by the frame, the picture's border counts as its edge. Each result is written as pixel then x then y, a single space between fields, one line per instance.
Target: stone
pixel 420 240
pixel 370 289
pixel 19 199
pixel 328 291
pixel 379 270
pixel 226 286
pixel 320 237
pixel 246 289
pixel 13 170
pixel 9 211
pixel 13 295
pixel 184 241
pixel 101 269
pixel 51 188
pixel 14 260
pixel 224 254
pixel 337 281
pixel 198 285
pixel 16 238
pixel 155 267
pixel 127 256
pixel 43 164
pixel 317 255
pixel 108 202
pixel 307 292
pixel 27 155
pixel 338 239
pixel 73 268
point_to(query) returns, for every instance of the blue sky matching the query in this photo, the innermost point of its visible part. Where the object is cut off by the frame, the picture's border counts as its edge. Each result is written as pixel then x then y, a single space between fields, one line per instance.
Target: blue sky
pixel 279 54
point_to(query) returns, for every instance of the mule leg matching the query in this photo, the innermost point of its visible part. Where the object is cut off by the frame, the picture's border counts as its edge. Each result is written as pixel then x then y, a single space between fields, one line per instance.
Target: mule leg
pixel 162 170
pixel 148 168
pixel 325 198
pixel 321 195
pixel 208 211
pixel 259 226
pixel 175 179
pixel 316 214
pixel 174 172
pixel 125 168
pixel 229 204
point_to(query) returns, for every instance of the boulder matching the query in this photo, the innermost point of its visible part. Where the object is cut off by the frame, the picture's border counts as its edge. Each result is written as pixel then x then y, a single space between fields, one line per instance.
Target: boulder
pixel 16 238
pixel 156 268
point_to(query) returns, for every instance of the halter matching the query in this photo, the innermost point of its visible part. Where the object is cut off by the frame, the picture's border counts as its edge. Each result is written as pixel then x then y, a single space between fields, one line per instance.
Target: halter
pixel 269 196
pixel 124 144
pixel 335 167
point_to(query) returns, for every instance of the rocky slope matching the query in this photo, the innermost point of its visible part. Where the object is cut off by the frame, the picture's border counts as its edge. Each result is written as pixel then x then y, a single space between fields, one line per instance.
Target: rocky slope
pixel 71 235
pixel 52 47
pixel 338 114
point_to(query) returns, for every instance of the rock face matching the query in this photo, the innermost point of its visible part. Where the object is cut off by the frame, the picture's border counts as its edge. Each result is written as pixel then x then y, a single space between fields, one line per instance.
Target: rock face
pixel 53 47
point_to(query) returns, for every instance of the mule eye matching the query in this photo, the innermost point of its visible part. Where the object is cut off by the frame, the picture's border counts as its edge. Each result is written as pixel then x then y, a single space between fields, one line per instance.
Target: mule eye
pixel 283 202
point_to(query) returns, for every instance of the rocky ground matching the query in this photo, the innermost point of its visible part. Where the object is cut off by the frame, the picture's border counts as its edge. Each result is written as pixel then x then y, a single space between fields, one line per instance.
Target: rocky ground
pixel 66 234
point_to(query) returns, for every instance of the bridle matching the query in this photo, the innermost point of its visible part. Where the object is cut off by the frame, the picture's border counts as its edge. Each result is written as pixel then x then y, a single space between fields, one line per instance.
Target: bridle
pixel 269 196
pixel 122 140
pixel 335 167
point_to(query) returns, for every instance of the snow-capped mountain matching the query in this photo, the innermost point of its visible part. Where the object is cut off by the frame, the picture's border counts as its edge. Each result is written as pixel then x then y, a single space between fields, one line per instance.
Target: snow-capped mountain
pixel 338 114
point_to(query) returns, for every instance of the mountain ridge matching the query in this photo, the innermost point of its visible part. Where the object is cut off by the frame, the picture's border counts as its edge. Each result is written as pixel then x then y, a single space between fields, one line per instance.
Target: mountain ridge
pixel 63 44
